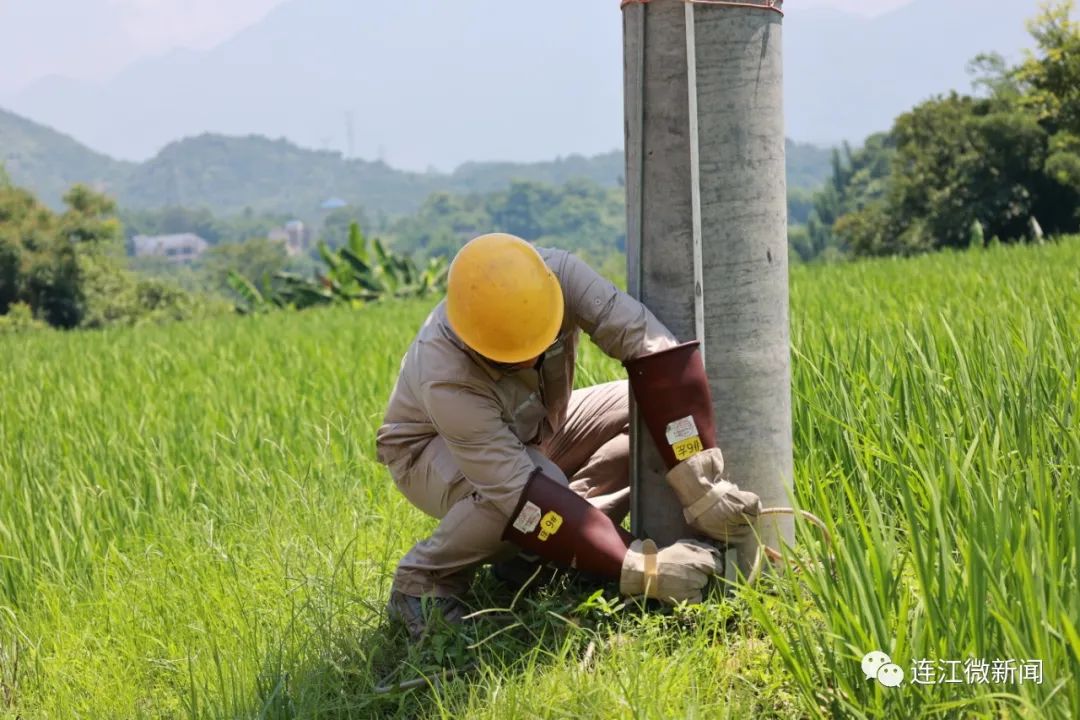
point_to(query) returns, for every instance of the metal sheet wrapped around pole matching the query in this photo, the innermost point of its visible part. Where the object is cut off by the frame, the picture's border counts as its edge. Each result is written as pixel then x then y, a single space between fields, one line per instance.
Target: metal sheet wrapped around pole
pixel 707 232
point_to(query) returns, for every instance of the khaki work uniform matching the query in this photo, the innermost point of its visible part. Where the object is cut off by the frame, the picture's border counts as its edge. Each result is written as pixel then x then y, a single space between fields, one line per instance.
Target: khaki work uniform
pixel 461 436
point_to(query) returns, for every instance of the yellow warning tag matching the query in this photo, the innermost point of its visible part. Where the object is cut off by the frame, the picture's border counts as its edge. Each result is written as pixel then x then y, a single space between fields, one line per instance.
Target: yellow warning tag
pixel 685 448
pixel 550 524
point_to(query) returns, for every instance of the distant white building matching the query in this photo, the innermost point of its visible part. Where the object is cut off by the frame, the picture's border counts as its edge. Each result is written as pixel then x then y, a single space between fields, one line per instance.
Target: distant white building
pixel 179 248
pixel 293 235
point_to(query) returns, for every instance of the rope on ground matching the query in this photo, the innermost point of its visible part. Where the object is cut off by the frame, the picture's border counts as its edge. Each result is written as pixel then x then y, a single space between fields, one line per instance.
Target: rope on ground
pixel 764 551
pixel 421 681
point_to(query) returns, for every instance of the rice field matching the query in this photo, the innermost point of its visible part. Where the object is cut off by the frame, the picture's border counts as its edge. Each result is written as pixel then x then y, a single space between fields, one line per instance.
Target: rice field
pixel 193 524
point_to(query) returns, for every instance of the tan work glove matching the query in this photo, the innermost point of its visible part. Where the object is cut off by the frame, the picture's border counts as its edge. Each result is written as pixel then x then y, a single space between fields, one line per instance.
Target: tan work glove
pixel 673 574
pixel 713 506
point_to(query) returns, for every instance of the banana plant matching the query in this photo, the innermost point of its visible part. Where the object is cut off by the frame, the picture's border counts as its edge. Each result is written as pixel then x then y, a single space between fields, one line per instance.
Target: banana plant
pixel 252 301
pixel 361 271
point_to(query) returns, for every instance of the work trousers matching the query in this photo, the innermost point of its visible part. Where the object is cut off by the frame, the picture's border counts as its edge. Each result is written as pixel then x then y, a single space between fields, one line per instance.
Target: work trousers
pixel 590 453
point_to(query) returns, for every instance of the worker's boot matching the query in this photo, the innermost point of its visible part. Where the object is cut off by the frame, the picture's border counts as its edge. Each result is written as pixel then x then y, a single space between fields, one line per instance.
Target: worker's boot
pixel 524 569
pixel 418 614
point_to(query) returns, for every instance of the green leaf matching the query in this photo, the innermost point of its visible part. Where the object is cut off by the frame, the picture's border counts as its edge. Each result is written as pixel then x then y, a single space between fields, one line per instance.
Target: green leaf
pixel 357 263
pixel 246 290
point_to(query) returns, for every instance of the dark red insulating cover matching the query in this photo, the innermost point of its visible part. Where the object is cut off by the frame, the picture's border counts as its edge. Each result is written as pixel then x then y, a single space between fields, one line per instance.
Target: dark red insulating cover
pixel 559 525
pixel 670 386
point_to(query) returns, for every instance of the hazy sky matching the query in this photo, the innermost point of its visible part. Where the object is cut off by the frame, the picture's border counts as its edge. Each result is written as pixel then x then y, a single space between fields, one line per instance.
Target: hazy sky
pixel 89 39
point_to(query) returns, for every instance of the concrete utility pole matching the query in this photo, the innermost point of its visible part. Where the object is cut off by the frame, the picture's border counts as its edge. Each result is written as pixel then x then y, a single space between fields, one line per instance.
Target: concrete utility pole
pixel 707 233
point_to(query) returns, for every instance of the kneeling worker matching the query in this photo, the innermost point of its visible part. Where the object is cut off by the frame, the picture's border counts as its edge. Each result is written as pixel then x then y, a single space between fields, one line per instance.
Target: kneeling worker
pixel 484 431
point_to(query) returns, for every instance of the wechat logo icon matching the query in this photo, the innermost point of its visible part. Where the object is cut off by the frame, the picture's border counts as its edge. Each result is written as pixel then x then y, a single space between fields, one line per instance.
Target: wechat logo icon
pixel 879 666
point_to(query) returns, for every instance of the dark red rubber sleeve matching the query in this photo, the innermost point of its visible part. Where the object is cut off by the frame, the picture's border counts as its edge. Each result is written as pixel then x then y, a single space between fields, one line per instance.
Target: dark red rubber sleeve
pixel 559 525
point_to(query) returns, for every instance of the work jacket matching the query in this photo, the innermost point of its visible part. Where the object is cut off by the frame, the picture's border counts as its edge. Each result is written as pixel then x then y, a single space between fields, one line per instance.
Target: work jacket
pixel 487 415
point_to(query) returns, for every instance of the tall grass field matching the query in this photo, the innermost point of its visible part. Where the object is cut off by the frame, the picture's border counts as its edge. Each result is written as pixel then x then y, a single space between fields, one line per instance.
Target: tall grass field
pixel 193 524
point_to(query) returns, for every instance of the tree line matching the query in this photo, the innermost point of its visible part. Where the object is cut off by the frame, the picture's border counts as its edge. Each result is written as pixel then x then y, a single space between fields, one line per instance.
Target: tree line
pixel 956 171
pixel 962 170
pixel 68 269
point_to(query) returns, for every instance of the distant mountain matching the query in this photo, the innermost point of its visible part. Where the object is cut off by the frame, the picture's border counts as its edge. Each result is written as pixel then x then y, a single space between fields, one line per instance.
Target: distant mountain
pixel 49 162
pixel 432 83
pixel 228 174
pixel 429 82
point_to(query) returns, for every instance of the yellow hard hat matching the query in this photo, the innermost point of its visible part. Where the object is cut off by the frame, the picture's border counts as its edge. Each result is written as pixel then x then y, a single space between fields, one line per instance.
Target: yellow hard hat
pixel 502 299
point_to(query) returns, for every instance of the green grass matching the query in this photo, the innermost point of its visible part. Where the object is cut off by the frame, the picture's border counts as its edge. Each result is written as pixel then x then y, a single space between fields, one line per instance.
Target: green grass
pixel 192 522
